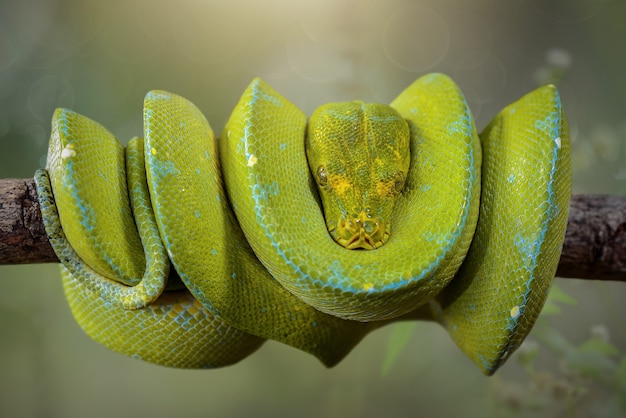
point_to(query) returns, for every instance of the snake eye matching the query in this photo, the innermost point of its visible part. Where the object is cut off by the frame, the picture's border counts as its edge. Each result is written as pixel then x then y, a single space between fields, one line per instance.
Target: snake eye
pixel 398 182
pixel 322 175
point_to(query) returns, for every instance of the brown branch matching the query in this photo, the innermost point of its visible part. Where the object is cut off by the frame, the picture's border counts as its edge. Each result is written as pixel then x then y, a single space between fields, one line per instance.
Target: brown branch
pixel 594 248
pixel 595 240
pixel 22 236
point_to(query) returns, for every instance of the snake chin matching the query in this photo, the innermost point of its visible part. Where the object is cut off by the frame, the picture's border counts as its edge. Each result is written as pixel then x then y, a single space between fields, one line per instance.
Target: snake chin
pixel 361 232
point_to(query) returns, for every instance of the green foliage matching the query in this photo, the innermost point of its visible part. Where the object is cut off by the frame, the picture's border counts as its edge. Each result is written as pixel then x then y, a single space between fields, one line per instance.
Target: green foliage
pixel 401 334
pixel 557 296
pixel 589 378
pixel 563 378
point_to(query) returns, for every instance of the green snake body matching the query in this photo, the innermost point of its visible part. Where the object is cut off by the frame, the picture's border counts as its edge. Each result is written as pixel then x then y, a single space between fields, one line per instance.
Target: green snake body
pixel 468 231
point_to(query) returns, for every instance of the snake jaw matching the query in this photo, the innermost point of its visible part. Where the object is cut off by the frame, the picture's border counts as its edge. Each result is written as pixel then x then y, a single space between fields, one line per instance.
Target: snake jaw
pixel 360 232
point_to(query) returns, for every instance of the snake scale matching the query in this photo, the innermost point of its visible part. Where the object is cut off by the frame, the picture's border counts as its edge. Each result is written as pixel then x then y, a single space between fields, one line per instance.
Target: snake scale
pixel 190 251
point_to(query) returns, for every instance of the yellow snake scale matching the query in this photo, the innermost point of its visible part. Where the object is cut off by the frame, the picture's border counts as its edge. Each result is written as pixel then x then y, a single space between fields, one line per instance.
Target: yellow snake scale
pixel 188 251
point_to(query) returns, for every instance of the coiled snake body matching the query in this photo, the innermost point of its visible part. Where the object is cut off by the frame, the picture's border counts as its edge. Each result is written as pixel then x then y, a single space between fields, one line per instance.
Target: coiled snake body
pixel 452 228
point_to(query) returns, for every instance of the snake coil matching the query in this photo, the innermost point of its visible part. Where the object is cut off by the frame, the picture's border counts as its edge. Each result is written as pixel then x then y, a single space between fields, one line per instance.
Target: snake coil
pixel 476 231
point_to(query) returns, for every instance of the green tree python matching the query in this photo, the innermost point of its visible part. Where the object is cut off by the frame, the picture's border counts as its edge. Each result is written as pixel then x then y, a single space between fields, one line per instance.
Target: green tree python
pixel 190 251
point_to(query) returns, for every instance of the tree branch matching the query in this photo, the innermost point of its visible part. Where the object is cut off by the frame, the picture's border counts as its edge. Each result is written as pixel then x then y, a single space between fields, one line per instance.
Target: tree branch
pixel 595 240
pixel 23 239
pixel 594 248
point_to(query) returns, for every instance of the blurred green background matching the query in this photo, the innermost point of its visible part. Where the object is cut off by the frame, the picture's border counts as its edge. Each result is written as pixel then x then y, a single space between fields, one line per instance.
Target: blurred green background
pixel 101 57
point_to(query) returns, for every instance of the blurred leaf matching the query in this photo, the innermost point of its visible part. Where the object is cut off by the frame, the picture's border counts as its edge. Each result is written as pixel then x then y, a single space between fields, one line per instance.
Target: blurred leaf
pixel 556 296
pixel 551 309
pixel 599 346
pixel 591 358
pixel 400 336
pixel 552 338
pixel 591 363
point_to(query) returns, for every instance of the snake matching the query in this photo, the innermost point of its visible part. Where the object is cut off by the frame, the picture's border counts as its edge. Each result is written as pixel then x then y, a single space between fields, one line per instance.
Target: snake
pixel 187 249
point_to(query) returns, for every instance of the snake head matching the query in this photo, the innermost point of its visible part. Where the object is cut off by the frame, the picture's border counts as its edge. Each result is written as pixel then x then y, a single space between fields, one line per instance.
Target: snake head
pixel 358 154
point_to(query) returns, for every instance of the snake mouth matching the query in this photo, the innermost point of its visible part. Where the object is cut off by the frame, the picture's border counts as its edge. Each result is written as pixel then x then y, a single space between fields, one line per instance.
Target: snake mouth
pixel 360 232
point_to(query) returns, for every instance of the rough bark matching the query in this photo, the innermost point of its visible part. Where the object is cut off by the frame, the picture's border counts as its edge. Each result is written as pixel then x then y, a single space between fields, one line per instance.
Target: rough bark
pixel 594 248
pixel 23 239
pixel 595 241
